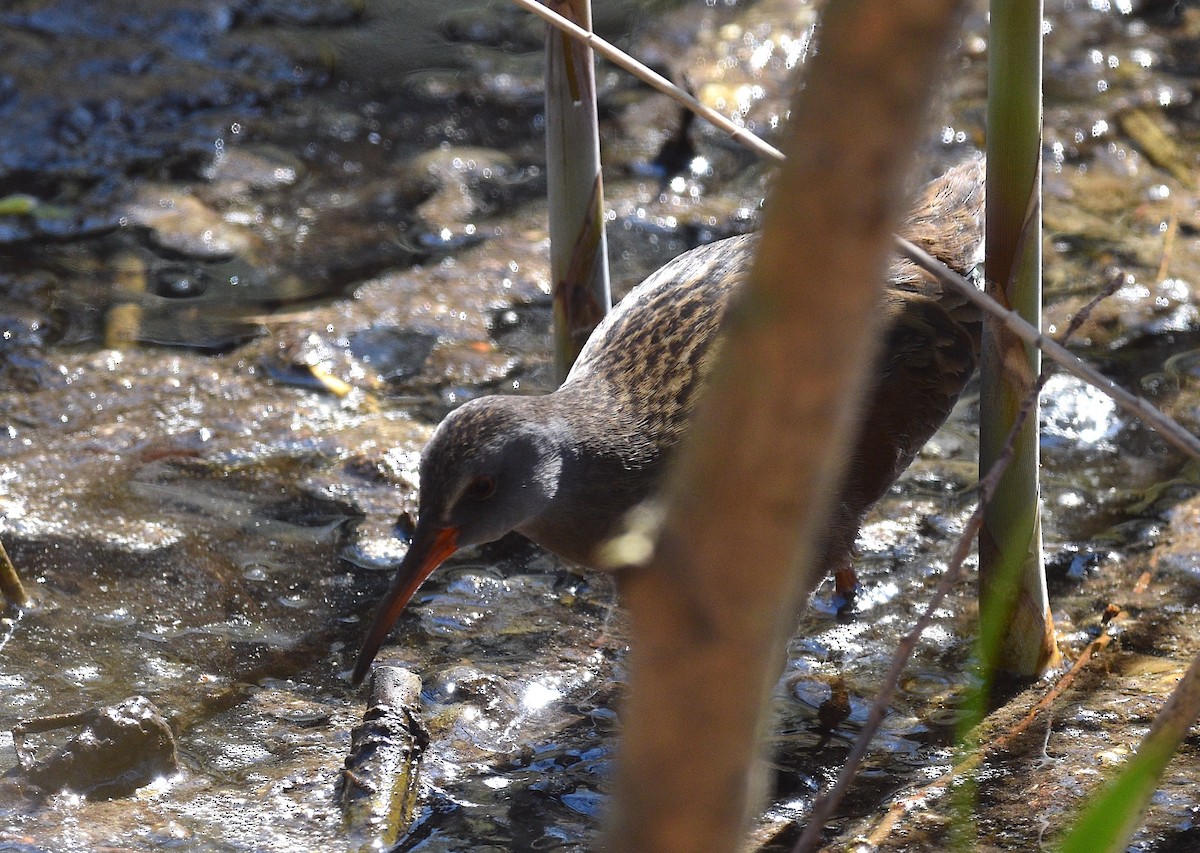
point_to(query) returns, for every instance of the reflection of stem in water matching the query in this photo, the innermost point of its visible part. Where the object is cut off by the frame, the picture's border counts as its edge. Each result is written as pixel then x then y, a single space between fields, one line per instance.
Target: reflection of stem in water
pixel 123 323
pixel 1168 243
pixel 10 582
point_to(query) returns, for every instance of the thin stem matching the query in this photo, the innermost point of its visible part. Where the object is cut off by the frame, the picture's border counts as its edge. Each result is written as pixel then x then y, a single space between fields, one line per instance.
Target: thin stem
pixel 1136 406
pixel 623 60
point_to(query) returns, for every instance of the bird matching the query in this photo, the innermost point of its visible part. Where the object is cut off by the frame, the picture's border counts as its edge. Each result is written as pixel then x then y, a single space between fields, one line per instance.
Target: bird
pixel 565 468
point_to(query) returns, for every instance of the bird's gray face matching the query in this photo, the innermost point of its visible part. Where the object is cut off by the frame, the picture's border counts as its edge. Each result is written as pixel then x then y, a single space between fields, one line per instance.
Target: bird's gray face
pixel 487 471
pixel 490 467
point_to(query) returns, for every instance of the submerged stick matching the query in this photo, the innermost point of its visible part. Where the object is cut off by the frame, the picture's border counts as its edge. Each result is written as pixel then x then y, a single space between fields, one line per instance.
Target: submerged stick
pixel 379 785
pixel 123 322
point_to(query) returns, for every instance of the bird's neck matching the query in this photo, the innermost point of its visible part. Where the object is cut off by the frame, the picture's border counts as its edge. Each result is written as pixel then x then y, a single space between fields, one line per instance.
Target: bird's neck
pixel 608 468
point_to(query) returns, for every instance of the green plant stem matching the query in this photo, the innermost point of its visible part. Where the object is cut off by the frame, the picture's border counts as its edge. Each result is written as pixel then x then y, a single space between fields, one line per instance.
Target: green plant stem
pixel 1016 633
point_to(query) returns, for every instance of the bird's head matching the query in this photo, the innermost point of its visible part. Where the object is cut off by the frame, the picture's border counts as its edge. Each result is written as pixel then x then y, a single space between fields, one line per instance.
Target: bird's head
pixel 491 466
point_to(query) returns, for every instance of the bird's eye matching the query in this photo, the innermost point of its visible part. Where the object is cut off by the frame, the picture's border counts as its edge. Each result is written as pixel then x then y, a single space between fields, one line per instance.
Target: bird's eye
pixel 481 487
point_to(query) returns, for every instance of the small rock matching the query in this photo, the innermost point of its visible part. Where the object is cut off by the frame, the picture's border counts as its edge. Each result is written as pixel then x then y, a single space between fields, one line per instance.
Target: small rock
pixel 394 353
pixel 241 169
pixel 119 749
pixel 184 224
pixel 458 184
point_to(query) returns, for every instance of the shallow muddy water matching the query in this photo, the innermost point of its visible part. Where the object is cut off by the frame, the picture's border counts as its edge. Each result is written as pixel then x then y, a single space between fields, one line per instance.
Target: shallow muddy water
pixel 254 250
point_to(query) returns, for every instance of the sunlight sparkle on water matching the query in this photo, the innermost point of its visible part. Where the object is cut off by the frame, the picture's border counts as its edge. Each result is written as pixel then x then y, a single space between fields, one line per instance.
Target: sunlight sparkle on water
pixel 938 635
pixel 1076 411
pixel 876 595
pixel 538 696
pixel 80 674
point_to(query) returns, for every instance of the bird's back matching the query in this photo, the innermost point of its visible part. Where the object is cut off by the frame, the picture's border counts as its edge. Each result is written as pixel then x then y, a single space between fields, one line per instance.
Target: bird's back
pixel 650 355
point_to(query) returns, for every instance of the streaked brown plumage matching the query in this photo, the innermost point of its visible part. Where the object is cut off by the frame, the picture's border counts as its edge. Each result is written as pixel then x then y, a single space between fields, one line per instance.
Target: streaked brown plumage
pixel 564 468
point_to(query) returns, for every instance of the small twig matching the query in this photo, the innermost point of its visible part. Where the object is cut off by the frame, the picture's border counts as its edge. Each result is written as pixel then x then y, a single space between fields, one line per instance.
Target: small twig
pixel 10 582
pixel 646 74
pixel 1081 316
pixel 1136 406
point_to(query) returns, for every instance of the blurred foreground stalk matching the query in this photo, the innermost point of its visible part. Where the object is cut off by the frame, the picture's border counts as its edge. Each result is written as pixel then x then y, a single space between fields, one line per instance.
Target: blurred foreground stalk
pixel 733 564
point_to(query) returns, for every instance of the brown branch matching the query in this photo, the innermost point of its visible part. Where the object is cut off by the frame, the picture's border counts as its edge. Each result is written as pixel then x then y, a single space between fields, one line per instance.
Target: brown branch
pixel 10 582
pixel 711 615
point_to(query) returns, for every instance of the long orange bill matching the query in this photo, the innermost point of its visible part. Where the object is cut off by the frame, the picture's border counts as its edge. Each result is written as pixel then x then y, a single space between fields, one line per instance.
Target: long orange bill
pixel 424 555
